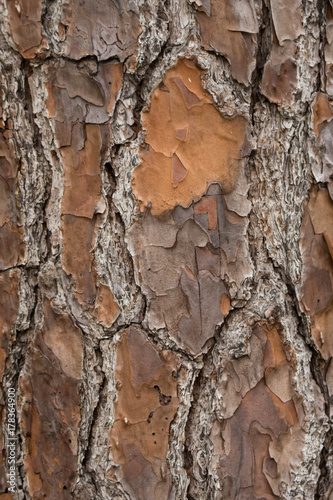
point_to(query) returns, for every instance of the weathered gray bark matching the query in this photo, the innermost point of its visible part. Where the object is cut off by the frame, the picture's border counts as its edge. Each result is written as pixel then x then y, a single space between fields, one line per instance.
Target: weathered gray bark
pixel 166 246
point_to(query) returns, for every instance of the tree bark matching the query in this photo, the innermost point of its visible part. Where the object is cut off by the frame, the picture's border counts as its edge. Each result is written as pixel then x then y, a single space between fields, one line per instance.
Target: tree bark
pixel 166 249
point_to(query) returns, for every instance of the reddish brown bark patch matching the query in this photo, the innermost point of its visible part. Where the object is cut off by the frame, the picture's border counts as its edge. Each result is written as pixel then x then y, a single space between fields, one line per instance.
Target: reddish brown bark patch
pixel 80 100
pixel 317 250
pixel 181 261
pixel 78 235
pixel 12 246
pixel 279 79
pixel 82 185
pixel 50 407
pixel 26 26
pixel 262 440
pixel 101 29
pixel 80 94
pixel 230 28
pixel 9 306
pixel 287 19
pixel 146 405
pixel 81 175
pixel 328 51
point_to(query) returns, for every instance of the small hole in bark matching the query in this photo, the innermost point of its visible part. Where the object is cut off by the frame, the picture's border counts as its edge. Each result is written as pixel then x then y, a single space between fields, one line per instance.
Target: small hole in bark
pixel 150 416
pixel 154 442
pixel 64 487
pixel 153 434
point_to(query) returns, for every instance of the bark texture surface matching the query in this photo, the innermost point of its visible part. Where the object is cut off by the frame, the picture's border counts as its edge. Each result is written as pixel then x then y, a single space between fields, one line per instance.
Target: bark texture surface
pixel 166 248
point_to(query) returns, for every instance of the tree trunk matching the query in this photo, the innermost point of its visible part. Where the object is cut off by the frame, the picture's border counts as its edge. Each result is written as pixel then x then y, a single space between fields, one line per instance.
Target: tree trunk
pixel 166 249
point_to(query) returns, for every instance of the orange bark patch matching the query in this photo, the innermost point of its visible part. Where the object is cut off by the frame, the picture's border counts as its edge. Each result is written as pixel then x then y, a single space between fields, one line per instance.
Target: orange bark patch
pixel 50 102
pixel 177 166
pixel 146 405
pixel 78 234
pixel 225 304
pixel 107 309
pixel 208 205
pixel 82 190
pixel 112 76
pixel 322 112
pixel 50 406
